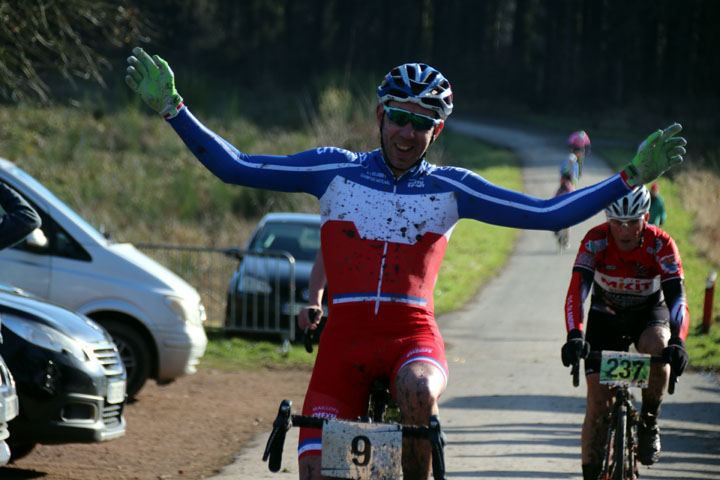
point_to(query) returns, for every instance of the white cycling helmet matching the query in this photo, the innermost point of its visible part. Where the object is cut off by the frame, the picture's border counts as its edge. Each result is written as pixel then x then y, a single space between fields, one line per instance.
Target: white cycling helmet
pixel 633 205
pixel 417 83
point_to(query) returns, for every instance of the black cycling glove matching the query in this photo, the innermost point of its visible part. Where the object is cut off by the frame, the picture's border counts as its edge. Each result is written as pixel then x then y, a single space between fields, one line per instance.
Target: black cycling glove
pixel 575 348
pixel 676 355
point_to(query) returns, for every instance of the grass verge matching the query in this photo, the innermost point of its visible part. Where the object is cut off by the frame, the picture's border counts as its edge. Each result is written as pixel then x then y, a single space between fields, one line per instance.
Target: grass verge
pixel 234 352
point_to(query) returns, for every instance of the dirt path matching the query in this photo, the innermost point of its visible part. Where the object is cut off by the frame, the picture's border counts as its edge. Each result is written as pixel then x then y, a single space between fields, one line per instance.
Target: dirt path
pixel 185 430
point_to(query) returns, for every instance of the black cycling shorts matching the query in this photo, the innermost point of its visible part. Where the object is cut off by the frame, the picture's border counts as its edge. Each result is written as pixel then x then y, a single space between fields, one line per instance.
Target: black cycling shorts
pixel 617 331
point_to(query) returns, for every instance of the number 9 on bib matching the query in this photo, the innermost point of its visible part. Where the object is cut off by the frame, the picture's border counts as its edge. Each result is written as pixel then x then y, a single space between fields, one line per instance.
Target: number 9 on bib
pixel 361 450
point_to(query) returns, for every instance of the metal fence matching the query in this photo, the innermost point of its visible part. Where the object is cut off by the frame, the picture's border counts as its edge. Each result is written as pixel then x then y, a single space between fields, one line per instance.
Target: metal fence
pixel 264 299
pixel 263 302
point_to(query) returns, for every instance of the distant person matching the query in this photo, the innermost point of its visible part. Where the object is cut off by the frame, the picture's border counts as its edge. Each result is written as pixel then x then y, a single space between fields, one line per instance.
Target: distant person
pixel 387 216
pixel 571 168
pixel 638 297
pixel 658 214
pixel 570 173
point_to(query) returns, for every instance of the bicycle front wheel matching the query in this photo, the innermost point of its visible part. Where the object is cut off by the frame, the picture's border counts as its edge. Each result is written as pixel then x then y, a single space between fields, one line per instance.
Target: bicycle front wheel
pixel 619 455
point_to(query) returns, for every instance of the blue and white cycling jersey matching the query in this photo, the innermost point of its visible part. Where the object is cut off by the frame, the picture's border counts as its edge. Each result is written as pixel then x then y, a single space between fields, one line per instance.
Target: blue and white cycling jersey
pixel 569 168
pixel 383 238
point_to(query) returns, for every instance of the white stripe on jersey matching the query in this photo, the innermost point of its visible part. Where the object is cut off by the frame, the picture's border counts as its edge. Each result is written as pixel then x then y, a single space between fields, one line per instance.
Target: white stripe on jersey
pixel 578 195
pixel 381 297
pixel 285 168
pixel 310 445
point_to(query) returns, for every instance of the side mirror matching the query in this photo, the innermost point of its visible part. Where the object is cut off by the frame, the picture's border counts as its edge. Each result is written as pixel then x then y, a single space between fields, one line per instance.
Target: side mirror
pixel 37 239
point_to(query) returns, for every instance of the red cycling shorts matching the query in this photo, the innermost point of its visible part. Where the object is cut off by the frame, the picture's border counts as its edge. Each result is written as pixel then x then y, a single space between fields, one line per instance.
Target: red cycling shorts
pixel 358 346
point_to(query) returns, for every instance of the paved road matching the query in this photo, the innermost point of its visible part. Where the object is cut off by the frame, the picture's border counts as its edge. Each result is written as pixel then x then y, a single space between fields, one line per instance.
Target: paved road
pixel 510 410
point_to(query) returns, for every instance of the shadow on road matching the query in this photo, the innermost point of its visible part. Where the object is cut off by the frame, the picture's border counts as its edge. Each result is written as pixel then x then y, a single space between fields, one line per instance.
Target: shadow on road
pixel 513 474
pixel 519 402
pixel 19 473
pixel 690 442
pixel 710 411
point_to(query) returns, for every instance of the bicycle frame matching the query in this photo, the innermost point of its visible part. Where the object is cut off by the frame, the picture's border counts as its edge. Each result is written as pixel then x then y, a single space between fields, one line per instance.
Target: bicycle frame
pixel 620 458
pixel 620 452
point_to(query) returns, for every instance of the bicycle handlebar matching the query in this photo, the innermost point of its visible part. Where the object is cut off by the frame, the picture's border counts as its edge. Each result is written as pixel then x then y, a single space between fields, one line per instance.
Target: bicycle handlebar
pixel 285 420
pixel 309 335
pixel 596 355
pixel 575 372
pixel 415 431
pixel 274 446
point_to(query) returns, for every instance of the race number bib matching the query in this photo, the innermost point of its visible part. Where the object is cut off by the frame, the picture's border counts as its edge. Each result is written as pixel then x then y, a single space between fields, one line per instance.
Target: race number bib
pixel 361 450
pixel 623 368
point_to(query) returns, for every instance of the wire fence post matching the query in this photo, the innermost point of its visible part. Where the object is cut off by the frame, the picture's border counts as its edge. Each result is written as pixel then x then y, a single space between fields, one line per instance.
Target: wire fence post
pixel 267 303
pixel 708 307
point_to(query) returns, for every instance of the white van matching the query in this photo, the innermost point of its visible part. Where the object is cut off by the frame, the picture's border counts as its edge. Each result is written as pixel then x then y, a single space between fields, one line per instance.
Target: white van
pixel 154 316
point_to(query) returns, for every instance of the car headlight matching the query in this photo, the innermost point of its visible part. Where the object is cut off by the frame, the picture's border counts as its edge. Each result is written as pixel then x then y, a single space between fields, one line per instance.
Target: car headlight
pixel 185 311
pixel 202 313
pixel 45 337
pixel 178 307
pixel 249 284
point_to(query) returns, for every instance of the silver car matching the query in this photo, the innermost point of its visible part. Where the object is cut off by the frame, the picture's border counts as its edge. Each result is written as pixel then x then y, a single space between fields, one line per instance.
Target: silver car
pixel 154 316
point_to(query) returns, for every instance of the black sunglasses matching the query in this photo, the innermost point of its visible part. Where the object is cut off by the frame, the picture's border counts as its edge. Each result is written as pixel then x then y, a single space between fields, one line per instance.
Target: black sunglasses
pixel 400 117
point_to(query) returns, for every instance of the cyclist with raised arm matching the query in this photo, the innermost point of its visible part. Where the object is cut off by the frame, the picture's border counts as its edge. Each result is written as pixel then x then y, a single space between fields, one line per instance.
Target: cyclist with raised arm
pixel 387 216
pixel 638 297
pixel 570 173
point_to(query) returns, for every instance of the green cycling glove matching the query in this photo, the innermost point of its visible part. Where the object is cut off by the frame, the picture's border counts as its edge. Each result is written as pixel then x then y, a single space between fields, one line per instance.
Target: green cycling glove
pixel 152 79
pixel 659 152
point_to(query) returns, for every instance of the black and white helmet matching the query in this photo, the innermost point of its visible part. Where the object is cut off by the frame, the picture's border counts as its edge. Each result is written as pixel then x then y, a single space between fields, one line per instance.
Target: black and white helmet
pixel 417 83
pixel 633 205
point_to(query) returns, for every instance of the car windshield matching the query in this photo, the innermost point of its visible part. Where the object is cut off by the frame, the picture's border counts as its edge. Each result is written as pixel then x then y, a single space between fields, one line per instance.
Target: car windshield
pixel 301 240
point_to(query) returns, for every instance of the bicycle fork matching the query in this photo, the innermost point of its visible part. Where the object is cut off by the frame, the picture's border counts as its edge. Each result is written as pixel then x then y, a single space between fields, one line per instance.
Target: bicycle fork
pixel 620 456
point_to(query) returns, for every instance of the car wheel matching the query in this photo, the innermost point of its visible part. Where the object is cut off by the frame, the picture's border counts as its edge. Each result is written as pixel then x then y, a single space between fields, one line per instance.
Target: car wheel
pixel 20 450
pixel 134 352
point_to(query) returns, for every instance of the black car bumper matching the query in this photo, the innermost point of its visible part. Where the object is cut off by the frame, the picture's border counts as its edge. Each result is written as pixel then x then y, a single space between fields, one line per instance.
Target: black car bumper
pixel 63 399
pixel 67 418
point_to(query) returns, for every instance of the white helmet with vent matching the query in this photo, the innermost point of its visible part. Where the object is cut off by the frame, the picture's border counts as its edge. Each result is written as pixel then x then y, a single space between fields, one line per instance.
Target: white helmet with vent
pixel 633 205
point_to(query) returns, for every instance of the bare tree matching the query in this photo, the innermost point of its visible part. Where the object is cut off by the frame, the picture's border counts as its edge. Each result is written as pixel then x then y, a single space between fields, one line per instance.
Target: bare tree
pixel 44 38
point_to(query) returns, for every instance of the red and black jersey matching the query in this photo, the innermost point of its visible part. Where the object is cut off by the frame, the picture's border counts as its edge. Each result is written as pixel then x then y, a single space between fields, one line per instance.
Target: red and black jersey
pixel 627 281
